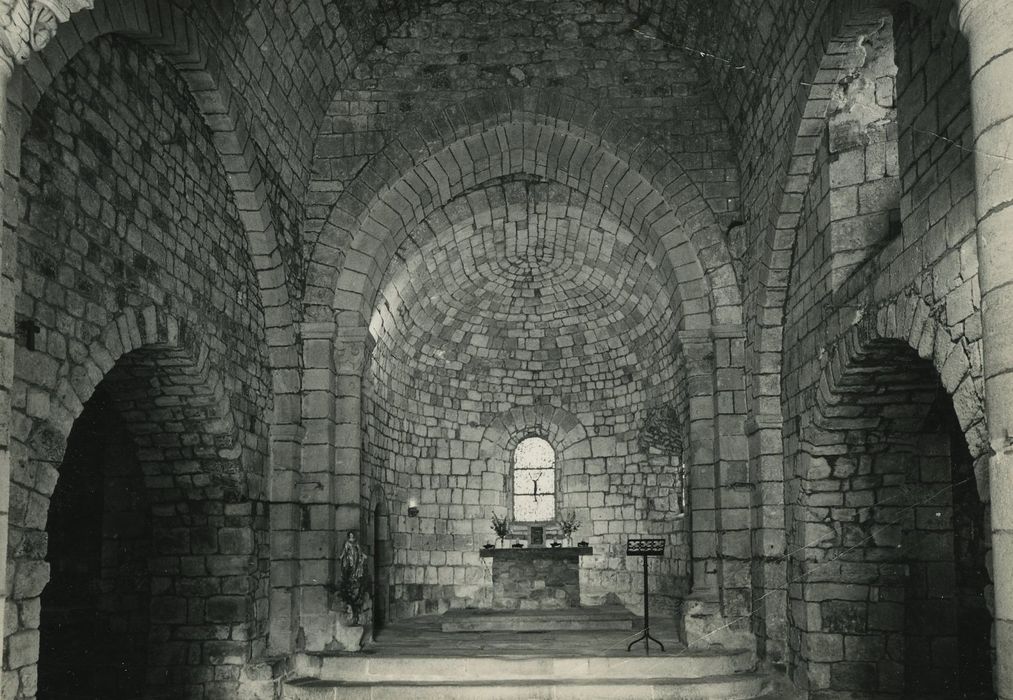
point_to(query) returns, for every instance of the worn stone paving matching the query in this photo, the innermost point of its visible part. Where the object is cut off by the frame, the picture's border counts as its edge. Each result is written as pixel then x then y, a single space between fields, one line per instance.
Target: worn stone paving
pixel 423 637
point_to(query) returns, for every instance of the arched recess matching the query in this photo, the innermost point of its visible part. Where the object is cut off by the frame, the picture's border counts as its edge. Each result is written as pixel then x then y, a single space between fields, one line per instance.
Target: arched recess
pixel 200 571
pixel 520 131
pixel 602 289
pixel 561 248
pixel 849 222
pixel 603 159
pixel 888 584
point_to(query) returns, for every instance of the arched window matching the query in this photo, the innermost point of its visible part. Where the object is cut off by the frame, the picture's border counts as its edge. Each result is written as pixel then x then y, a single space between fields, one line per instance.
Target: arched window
pixel 534 481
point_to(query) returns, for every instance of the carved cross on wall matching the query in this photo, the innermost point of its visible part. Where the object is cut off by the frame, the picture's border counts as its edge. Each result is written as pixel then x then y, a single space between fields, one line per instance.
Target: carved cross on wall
pixel 28 329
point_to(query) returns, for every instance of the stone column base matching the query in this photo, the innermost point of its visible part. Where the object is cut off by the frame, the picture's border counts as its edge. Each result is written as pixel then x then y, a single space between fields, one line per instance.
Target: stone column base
pixel 703 625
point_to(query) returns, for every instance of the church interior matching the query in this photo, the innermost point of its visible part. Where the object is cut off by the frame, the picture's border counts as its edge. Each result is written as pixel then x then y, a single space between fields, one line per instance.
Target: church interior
pixel 484 349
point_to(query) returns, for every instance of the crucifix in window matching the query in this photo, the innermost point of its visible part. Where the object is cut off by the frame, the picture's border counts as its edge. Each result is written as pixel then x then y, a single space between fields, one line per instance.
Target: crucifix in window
pixel 534 481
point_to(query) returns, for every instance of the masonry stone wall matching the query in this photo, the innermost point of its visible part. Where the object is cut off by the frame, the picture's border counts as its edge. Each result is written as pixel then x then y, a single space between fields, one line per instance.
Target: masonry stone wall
pixel 775 70
pixel 135 275
pixel 918 284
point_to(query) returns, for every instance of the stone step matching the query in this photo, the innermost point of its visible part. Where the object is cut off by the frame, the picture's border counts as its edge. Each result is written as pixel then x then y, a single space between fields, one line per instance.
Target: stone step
pixel 566 619
pixel 407 669
pixel 736 687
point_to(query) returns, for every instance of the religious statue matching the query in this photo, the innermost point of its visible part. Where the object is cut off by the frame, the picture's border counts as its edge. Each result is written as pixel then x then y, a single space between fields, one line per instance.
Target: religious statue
pixel 351 586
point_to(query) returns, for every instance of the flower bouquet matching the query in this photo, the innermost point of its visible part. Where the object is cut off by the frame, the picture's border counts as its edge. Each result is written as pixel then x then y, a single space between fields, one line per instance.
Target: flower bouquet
pixel 568 525
pixel 501 526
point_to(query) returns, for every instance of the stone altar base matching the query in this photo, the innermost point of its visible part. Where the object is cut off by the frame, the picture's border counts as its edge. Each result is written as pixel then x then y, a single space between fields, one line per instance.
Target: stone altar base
pixel 536 578
pixel 565 619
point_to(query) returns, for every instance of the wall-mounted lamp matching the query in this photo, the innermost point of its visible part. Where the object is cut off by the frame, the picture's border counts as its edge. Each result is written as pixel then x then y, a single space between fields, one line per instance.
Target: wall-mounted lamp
pixel 413 507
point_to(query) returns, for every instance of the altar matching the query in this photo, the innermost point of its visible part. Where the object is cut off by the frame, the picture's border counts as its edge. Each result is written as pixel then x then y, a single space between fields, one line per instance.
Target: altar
pixel 536 578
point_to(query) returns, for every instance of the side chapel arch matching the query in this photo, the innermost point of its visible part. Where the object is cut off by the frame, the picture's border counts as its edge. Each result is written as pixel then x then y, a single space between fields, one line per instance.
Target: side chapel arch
pixel 142 355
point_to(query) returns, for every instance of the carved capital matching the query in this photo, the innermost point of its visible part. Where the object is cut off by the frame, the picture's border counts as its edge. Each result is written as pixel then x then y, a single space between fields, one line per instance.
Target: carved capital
pixel 352 347
pixel 28 25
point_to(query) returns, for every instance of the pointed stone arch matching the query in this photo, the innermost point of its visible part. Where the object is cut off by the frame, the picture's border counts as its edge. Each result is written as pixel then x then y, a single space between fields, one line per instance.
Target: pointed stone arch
pixel 510 132
pixel 175 34
pixel 172 33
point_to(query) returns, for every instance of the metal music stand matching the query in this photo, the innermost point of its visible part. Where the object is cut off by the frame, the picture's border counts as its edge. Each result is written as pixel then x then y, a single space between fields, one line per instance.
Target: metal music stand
pixel 645 548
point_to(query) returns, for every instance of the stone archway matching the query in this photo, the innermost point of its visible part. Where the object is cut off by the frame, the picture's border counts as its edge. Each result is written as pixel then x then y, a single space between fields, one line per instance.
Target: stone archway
pixel 171 462
pixel 510 133
pixel 185 40
pixel 890 506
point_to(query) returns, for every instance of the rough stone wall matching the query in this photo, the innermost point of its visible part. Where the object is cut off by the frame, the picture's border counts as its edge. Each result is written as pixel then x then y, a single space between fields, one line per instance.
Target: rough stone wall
pixel 917 284
pixel 130 238
pixel 535 583
pixel 935 255
pixel 872 588
pixel 588 50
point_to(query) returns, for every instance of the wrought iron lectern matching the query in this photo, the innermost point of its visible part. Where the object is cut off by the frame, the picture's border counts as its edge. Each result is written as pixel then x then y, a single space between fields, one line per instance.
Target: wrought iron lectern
pixel 645 549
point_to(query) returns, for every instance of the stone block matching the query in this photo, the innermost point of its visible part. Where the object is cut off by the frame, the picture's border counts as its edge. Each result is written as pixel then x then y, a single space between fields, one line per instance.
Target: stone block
pixel 844 617
pixel 231 609
pixel 854 676
pixel 21 649
pixel 30 578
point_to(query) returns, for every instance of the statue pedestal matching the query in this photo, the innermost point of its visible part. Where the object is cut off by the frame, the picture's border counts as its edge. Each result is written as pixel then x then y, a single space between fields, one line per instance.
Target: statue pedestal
pixel 330 631
pixel 325 625
pixel 350 637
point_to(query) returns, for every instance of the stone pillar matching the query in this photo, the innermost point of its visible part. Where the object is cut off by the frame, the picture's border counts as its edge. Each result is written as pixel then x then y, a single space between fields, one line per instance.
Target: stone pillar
pixel 352 349
pixel 717 611
pixel 695 350
pixel 26 26
pixel 327 489
pixel 286 521
pixel 313 491
pixel 988 26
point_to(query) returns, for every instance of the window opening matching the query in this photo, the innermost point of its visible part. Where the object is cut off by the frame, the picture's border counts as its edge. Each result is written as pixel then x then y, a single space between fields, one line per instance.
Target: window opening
pixel 534 477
